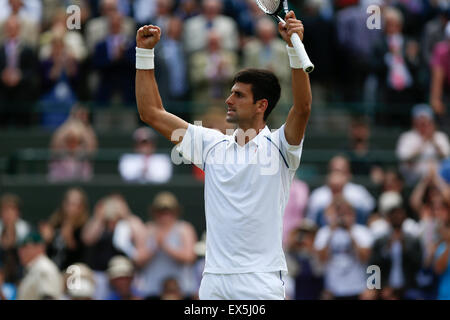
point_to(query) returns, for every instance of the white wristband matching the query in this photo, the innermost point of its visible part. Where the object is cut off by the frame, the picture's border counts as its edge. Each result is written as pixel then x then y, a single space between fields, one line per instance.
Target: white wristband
pixel 145 59
pixel 294 59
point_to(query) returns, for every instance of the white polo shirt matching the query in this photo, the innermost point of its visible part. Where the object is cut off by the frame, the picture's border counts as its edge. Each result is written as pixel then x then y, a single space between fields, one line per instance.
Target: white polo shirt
pixel 246 191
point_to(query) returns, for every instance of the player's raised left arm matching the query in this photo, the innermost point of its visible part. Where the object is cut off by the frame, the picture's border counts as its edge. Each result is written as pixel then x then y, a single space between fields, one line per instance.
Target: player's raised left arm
pixel 301 89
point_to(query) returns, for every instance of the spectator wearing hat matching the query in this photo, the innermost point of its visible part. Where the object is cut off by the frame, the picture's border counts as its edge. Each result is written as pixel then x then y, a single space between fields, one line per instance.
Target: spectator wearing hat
pixel 121 274
pixel 170 249
pixel 79 282
pixel 42 280
pixel 144 165
pixel 305 267
pixel 440 80
pixel 422 146
pixel 13 230
pixel 344 248
pixel 113 230
pixel 398 254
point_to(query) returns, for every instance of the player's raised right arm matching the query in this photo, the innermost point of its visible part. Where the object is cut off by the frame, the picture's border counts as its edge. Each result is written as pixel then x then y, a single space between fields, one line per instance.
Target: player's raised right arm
pixel 149 102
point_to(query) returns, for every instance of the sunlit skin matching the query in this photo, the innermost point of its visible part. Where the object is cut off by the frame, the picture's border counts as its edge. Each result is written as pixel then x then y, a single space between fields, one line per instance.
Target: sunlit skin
pixel 244 112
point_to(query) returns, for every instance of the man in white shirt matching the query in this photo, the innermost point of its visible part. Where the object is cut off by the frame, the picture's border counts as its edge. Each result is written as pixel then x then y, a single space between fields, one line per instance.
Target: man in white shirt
pixel 421 147
pixel 247 174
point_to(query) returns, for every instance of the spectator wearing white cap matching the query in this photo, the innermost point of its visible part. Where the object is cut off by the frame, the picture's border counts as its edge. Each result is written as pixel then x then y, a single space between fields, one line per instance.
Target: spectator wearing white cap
pixel 79 282
pixel 121 274
pixel 145 166
pixel 421 147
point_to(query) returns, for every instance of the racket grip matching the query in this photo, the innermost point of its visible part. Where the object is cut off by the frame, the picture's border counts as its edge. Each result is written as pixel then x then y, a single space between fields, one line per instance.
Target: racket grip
pixel 301 52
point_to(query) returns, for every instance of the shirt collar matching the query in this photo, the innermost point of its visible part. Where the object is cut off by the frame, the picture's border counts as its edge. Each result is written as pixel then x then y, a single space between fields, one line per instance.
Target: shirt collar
pixel 255 141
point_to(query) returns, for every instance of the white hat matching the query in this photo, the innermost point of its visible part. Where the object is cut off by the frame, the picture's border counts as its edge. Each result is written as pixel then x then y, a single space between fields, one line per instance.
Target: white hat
pixel 120 266
pixel 388 201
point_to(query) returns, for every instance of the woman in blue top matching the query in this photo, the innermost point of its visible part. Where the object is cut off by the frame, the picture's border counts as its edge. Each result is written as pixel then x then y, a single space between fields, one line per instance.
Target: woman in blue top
pixel 442 266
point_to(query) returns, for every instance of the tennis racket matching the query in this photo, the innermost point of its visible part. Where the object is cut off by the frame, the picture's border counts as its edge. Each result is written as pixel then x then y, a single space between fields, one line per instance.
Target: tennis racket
pixel 274 9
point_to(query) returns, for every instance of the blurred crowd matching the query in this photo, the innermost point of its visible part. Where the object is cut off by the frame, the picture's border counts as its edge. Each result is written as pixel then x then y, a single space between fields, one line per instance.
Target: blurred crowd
pixel 51 56
pixel 332 233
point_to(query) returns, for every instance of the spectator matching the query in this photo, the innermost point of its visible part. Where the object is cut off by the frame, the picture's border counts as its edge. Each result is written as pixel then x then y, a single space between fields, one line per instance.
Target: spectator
pixel 62 231
pixel 305 266
pixel 361 157
pixel 399 256
pixel 211 72
pixel 29 30
pixel 17 71
pixel 114 60
pixel 441 264
pixel 440 80
pixel 13 229
pixel 79 282
pixel 421 147
pixel 144 165
pixel 71 149
pixel 121 275
pixel 144 11
pixel 434 32
pixel 97 28
pixel 171 290
pixel 30 10
pixel 59 74
pixel 396 63
pixel 42 281
pixel 108 233
pixel 163 15
pixel 344 247
pixel 268 52
pixel 338 182
pixel 170 249
pixel 198 27
pixel 187 9
pixel 295 208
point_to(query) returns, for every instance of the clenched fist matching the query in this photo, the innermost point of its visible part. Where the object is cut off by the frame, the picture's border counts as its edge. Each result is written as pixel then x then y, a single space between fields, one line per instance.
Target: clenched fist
pixel 292 26
pixel 148 36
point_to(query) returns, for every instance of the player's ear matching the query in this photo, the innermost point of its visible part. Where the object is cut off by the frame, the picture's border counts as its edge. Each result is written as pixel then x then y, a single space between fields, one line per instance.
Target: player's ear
pixel 262 105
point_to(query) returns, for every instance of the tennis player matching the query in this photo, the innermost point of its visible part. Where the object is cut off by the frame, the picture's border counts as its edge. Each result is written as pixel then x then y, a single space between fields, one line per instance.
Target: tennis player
pixel 247 174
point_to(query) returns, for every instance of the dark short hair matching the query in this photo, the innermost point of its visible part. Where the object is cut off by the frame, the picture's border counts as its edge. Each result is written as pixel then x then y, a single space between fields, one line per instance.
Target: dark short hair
pixel 265 85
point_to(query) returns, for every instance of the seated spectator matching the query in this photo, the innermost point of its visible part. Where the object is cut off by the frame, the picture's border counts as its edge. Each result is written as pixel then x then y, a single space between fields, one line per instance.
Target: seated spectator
pixel 29 31
pixel 7 290
pixel 197 28
pixel 79 282
pixel 163 15
pixel 43 280
pixel 62 231
pixel 17 76
pixel 388 201
pixel 267 51
pixel 108 233
pixel 144 165
pixel 13 229
pixel 59 74
pixel 121 274
pixel 97 28
pixel 421 147
pixel 358 150
pixel 30 10
pixel 169 251
pixel 441 263
pixel 72 147
pixel 338 182
pixel 399 256
pixel 440 80
pixel 305 266
pixel 187 9
pixel 114 58
pixel 295 208
pixel 211 72
pixel 171 290
pixel 344 247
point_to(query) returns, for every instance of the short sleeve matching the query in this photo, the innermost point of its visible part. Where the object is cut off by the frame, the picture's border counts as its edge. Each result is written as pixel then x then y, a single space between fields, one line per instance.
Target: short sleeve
pixel 292 153
pixel 196 142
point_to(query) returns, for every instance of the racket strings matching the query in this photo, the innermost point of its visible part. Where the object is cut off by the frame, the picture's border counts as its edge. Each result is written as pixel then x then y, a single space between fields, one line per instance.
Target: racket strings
pixel 269 6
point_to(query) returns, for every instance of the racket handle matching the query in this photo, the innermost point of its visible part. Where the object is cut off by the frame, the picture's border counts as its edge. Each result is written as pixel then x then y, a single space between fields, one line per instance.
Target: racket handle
pixel 301 52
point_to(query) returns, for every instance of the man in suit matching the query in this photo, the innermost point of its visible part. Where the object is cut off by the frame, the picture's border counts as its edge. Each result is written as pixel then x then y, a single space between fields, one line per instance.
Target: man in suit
pixel 17 76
